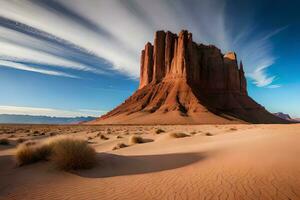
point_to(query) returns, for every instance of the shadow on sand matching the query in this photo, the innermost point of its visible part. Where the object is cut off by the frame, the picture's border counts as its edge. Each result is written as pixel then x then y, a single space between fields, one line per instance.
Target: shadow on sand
pixel 110 165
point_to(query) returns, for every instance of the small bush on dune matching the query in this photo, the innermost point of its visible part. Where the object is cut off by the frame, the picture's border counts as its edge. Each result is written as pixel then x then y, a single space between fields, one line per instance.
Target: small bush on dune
pixel 66 153
pixel 136 140
pixel 208 134
pixel 119 146
pixel 72 154
pixel 158 131
pixel 103 137
pixel 27 154
pixel 4 141
pixel 179 135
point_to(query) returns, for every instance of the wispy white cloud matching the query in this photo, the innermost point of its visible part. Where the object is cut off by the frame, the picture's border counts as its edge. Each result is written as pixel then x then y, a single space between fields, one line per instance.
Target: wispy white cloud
pixel 117 30
pixel 257 55
pixel 9 64
pixel 273 86
pixel 5 109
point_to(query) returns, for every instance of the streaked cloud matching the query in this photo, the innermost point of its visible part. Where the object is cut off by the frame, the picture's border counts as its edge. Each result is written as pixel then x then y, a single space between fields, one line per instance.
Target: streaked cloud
pixel 77 35
pixel 9 64
pixel 4 109
pixel 273 86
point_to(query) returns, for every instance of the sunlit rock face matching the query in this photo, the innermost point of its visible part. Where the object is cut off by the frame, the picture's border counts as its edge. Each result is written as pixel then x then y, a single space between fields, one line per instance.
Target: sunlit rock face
pixel 178 56
pixel 182 82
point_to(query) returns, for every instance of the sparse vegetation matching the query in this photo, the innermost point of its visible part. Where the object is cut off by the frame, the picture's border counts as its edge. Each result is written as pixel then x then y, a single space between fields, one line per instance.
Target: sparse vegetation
pixel 135 140
pixel 179 135
pixel 4 141
pixel 103 137
pixel 159 131
pixel 208 134
pixel 66 153
pixel 233 129
pixel 193 133
pixel 72 154
pixel 27 154
pixel 119 146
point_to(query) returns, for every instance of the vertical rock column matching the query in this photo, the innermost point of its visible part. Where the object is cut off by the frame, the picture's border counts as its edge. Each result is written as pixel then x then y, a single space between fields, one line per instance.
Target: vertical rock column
pixel 178 66
pixel 146 65
pixel 233 74
pixel 243 82
pixel 159 69
pixel 169 50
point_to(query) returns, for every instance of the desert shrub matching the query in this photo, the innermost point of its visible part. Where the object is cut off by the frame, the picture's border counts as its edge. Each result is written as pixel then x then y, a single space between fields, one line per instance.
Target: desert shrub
pixel 119 146
pixel 90 138
pixel 138 140
pixel 233 129
pixel 158 131
pixel 27 154
pixel 208 134
pixel 193 133
pixel 4 141
pixel 179 135
pixel 72 154
pixel 103 137
pixel 135 139
pixel 119 136
pixel 66 153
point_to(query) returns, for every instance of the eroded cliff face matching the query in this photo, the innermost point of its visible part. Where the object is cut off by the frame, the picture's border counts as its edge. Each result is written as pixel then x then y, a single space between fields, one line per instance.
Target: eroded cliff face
pixel 200 65
pixel 183 82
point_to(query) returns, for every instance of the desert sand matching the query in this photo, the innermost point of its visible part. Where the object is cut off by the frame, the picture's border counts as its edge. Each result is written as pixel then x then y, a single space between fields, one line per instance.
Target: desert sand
pixel 212 162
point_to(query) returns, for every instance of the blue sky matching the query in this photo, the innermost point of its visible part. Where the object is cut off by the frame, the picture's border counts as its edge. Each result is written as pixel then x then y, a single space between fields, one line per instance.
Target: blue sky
pixel 75 57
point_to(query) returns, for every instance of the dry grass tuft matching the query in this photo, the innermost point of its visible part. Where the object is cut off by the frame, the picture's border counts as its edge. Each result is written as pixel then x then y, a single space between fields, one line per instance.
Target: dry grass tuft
pixel 120 145
pixel 4 141
pixel 179 135
pixel 103 137
pixel 27 154
pixel 193 133
pixel 159 131
pixel 66 153
pixel 208 134
pixel 72 154
pixel 135 140
pixel 138 140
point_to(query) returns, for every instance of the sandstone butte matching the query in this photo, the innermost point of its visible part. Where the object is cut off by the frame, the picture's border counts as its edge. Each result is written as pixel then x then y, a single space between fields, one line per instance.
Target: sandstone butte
pixel 182 82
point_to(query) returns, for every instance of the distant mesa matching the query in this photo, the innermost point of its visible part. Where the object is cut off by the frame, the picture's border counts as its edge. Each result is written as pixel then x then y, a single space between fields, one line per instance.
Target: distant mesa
pixel 32 119
pixel 286 117
pixel 182 82
pixel 283 116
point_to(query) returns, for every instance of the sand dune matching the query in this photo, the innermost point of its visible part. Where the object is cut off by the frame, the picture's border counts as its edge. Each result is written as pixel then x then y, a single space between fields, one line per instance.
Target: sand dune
pixel 236 162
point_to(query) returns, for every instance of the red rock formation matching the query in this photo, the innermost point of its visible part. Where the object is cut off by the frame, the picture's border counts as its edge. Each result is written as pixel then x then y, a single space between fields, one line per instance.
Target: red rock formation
pixel 146 65
pixel 183 82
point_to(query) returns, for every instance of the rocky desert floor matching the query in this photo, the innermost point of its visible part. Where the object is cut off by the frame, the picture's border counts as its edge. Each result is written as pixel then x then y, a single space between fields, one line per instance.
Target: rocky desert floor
pixel 172 162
